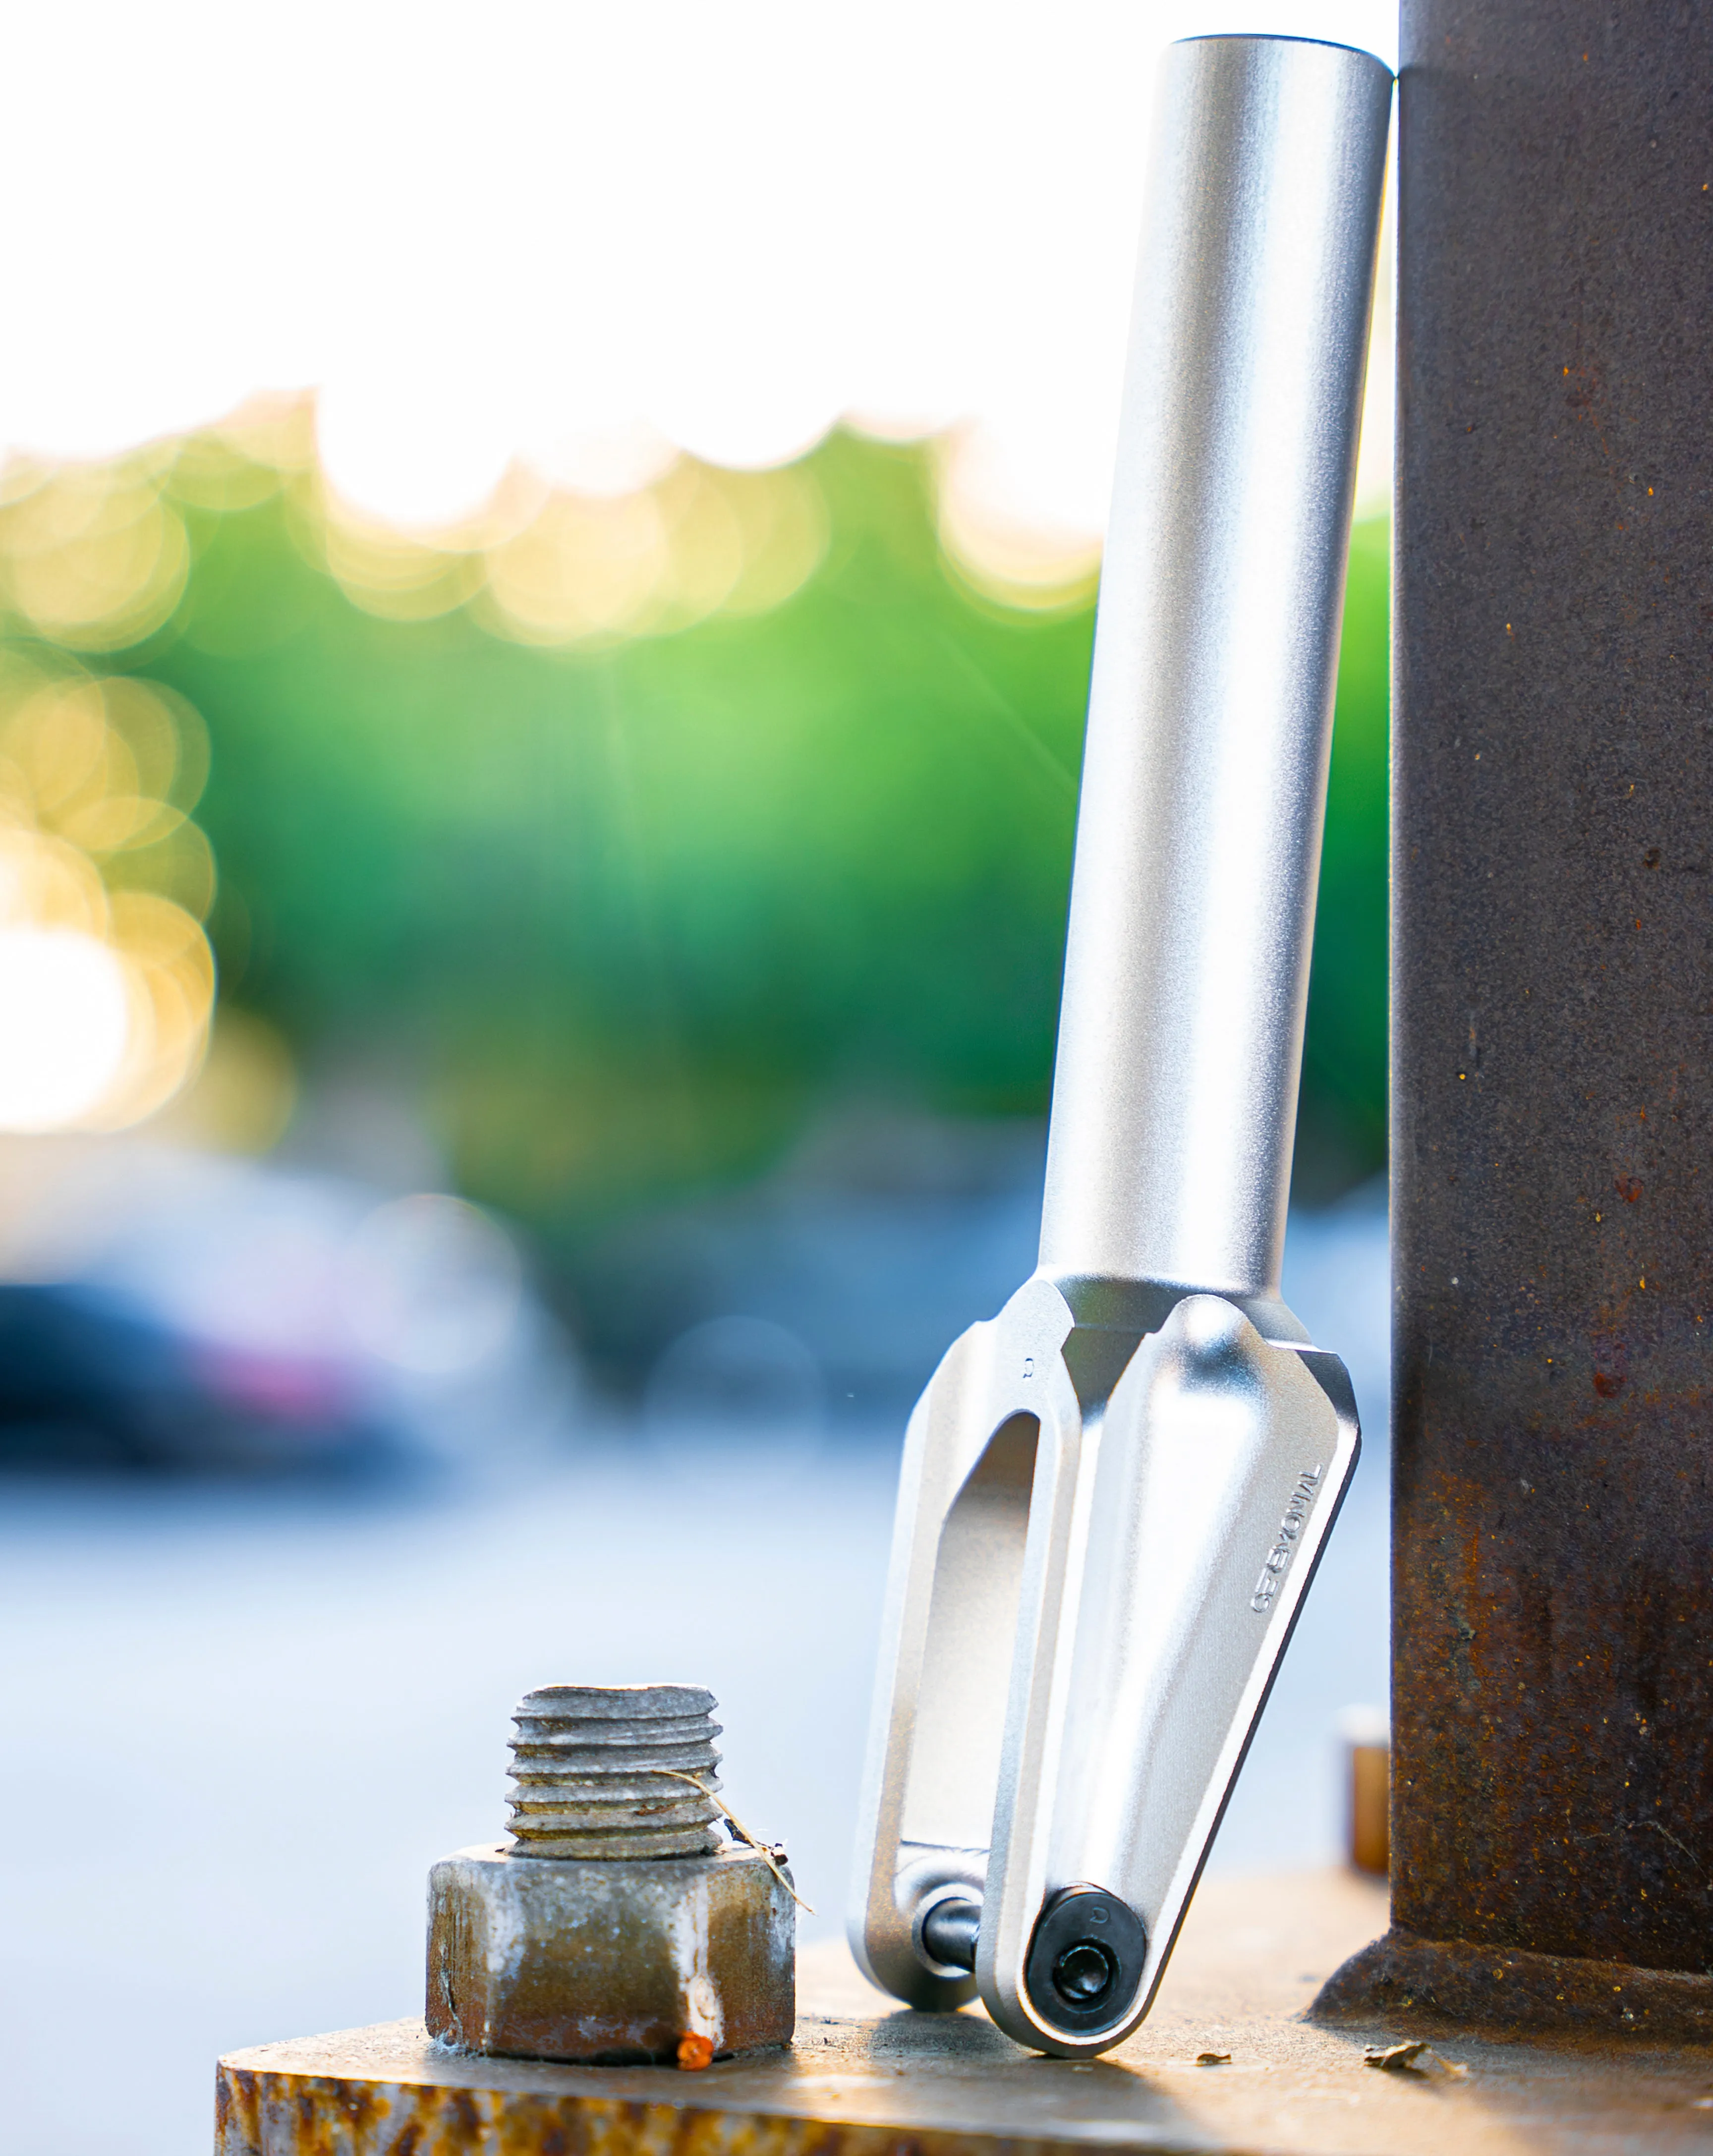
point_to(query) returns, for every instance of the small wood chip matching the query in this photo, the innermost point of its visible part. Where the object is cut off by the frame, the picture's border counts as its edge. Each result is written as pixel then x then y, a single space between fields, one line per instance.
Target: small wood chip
pixel 1213 2058
pixel 1419 2060
pixel 1393 2058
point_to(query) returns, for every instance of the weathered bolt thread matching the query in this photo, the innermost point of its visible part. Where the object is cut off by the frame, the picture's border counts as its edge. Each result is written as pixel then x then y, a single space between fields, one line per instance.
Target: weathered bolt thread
pixel 585 1770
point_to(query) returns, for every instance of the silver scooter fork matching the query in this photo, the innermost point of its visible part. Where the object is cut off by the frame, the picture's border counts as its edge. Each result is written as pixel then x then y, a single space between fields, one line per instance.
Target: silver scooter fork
pixel 1115 1493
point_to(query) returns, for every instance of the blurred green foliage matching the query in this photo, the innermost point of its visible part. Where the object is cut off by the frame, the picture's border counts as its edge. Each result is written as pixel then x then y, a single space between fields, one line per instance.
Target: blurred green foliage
pixel 1342 1119
pixel 626 916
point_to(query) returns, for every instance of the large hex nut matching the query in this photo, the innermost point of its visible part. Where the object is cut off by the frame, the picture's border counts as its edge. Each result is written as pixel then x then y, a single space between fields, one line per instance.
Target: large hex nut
pixel 609 1961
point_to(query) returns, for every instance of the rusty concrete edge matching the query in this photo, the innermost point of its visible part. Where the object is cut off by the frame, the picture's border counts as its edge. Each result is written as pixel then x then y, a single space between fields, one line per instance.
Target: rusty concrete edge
pixel 1405 1980
pixel 260 2112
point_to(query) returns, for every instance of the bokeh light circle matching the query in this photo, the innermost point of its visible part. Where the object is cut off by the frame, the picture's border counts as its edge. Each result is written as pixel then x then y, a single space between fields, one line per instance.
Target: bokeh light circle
pixel 65 1025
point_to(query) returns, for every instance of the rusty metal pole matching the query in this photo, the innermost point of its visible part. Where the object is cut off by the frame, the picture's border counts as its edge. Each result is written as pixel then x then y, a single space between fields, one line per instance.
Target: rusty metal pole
pixel 1552 1147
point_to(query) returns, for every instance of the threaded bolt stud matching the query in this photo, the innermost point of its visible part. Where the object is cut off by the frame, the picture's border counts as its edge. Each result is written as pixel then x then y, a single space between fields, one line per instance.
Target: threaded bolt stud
pixel 595 1772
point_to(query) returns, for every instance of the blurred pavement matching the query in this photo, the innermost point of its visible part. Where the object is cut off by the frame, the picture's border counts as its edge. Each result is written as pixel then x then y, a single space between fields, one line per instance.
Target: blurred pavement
pixel 243 1721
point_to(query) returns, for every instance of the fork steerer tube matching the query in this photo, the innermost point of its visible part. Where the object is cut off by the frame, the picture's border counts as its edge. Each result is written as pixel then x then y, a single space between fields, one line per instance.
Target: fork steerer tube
pixel 1210 708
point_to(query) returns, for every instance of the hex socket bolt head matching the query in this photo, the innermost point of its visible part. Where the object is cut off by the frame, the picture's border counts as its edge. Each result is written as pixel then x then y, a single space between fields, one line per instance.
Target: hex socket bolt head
pixel 676 1947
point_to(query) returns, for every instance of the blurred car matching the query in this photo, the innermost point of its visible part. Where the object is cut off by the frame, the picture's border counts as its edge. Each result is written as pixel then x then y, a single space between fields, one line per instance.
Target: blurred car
pixel 161 1308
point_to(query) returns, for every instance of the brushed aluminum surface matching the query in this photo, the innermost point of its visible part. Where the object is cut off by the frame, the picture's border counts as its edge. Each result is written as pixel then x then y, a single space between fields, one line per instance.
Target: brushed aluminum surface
pixel 1113 1494
pixel 1210 707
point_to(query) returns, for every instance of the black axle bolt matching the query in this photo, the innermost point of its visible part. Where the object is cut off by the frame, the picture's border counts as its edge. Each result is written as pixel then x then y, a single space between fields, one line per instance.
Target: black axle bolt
pixel 1084 1974
pixel 1085 1962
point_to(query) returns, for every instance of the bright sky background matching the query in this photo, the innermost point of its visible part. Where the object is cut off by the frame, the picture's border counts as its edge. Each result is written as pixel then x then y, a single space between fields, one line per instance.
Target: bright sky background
pixel 574 232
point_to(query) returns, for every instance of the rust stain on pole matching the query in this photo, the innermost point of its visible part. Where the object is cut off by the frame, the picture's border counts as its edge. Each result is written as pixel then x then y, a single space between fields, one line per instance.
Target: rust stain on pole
pixel 1552 1760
